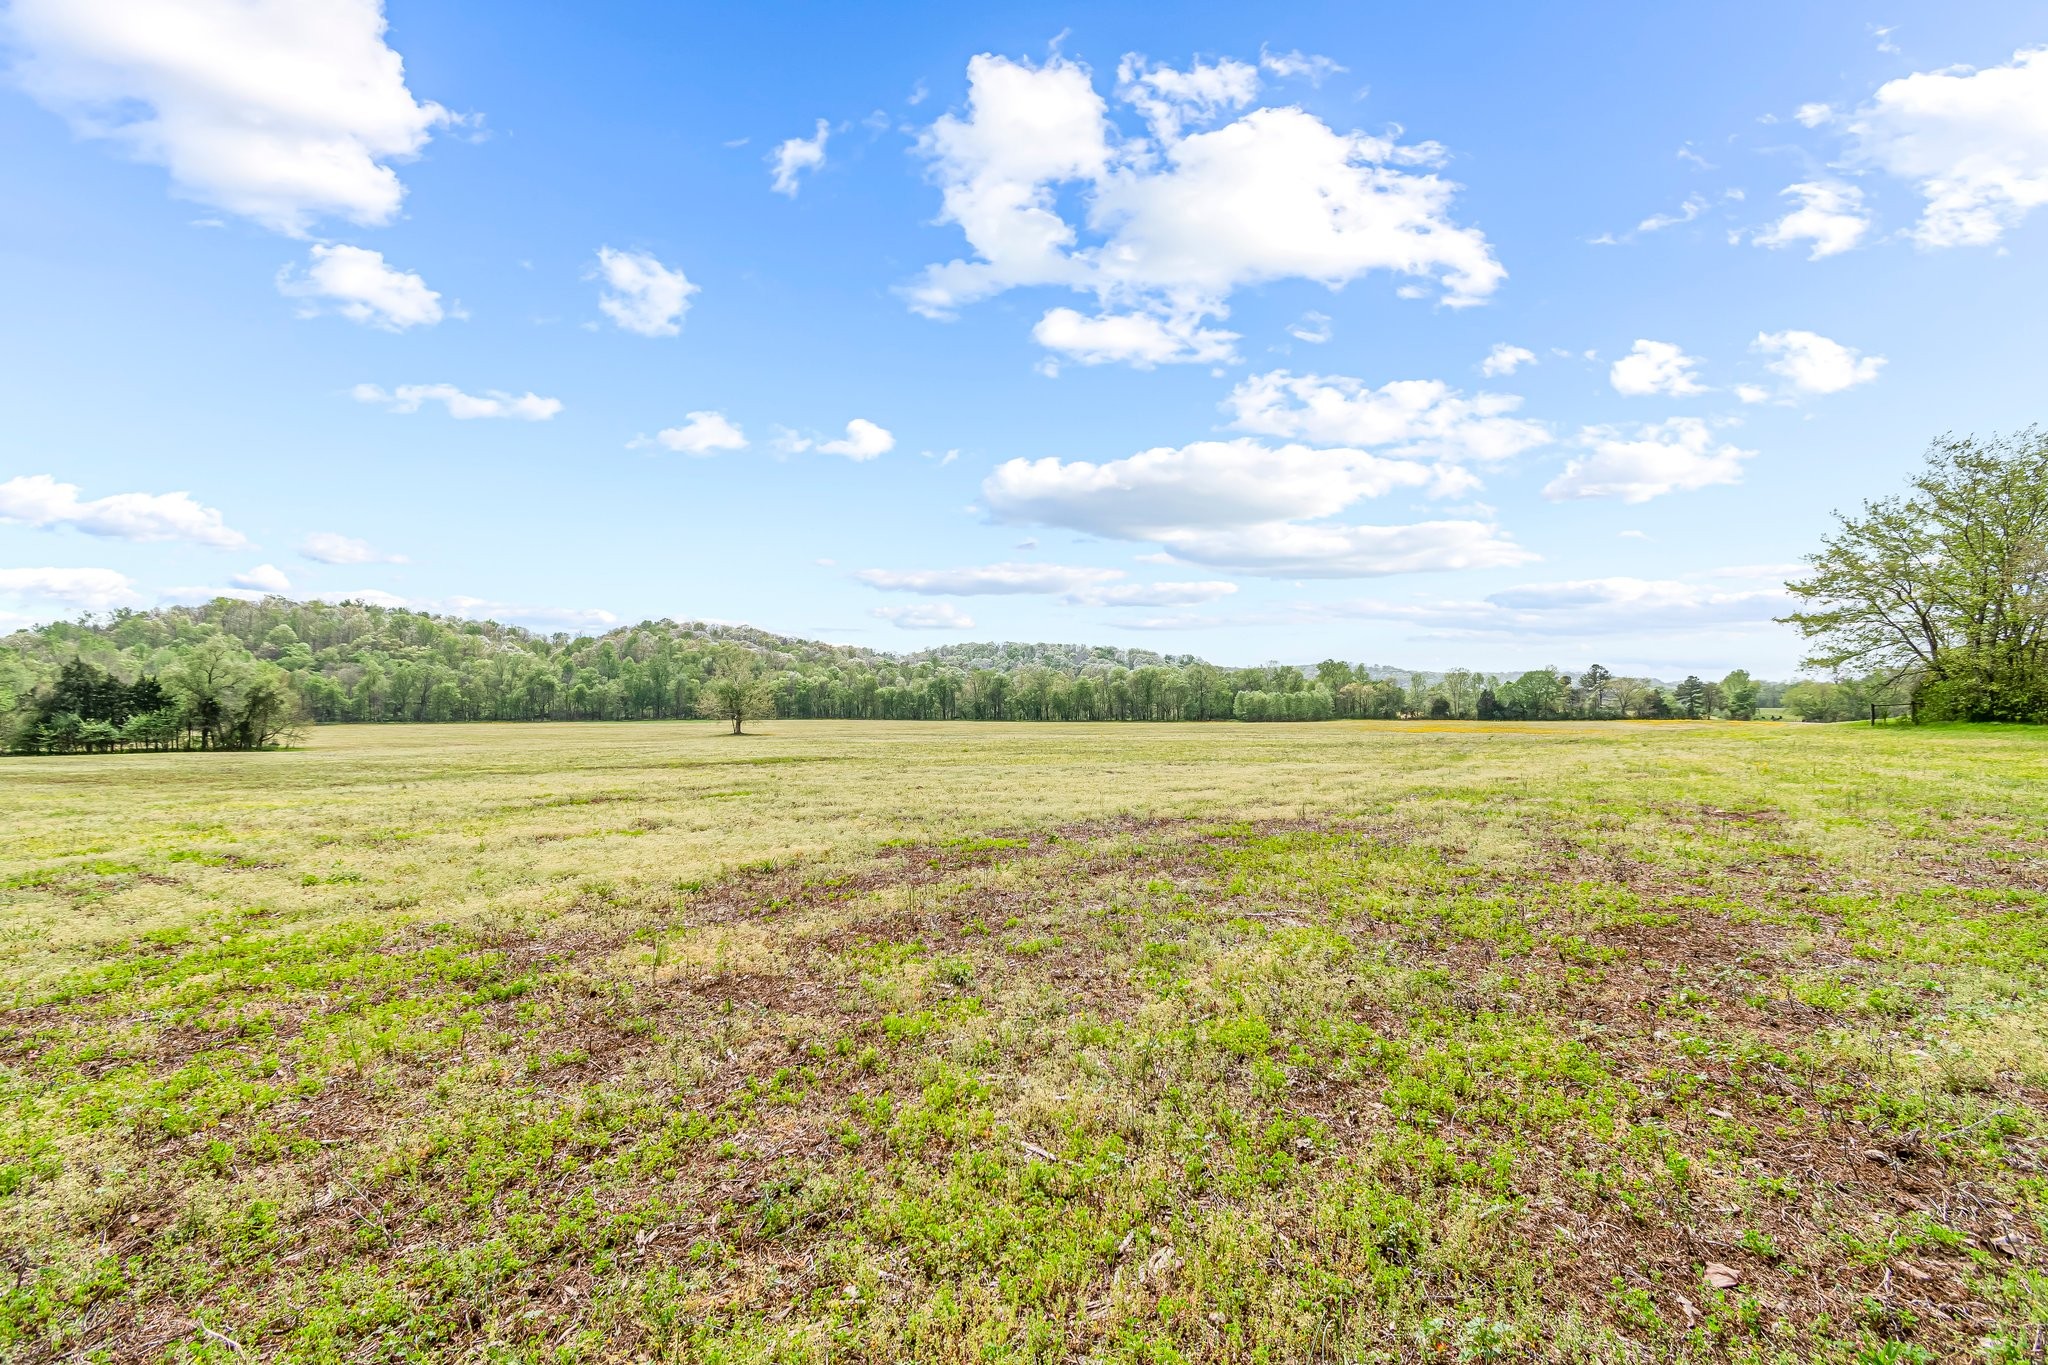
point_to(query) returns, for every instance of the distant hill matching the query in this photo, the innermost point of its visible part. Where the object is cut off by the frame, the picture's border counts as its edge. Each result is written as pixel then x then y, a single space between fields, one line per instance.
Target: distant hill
pixel 356 661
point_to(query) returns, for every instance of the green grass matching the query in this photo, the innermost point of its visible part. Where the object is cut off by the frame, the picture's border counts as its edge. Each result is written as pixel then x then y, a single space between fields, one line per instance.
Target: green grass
pixel 883 1042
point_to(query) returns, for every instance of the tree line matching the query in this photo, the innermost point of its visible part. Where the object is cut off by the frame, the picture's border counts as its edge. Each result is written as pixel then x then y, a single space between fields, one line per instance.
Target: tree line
pixel 238 674
pixel 208 694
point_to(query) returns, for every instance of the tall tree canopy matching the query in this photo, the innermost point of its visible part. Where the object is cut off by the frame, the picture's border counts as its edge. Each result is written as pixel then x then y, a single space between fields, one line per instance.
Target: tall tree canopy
pixel 1945 587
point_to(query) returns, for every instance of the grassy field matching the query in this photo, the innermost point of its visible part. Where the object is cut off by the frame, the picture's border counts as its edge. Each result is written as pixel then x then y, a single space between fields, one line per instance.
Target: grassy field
pixel 851 1042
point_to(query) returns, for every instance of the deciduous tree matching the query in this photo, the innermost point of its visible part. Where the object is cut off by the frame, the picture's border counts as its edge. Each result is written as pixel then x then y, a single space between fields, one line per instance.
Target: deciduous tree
pixel 1946 586
pixel 737 691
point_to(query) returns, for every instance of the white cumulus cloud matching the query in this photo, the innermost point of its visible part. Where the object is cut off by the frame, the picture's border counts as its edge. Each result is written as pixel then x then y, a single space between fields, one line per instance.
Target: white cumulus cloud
pixel 1583 607
pixel 329 547
pixel 1505 359
pixel 1312 67
pixel 926 616
pixel 864 440
pixel 793 157
pixel 81 589
pixel 356 283
pixel 1654 367
pixel 1151 594
pixel 281 111
pixel 1677 456
pixel 701 433
pixel 1175 222
pixel 1973 142
pixel 986 579
pixel 1157 493
pixel 1168 99
pixel 40 500
pixel 1242 504
pixel 1278 194
pixel 1830 215
pixel 1141 340
pixel 1297 550
pixel 1812 363
pixel 526 407
pixel 1416 417
pixel 263 578
pixel 641 294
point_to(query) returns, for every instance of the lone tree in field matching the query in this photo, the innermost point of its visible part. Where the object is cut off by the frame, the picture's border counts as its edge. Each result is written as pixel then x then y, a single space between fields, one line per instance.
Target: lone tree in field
pixel 737 691
pixel 1945 588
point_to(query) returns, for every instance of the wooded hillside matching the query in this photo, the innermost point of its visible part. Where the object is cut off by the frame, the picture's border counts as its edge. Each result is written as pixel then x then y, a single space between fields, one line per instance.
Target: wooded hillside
pixel 188 676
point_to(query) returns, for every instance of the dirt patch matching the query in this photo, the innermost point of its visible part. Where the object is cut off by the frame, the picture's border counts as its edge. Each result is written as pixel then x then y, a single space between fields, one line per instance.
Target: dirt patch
pixel 1720 816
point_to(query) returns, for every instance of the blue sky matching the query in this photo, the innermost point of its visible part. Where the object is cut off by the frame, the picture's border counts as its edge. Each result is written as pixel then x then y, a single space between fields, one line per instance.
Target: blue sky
pixel 1484 336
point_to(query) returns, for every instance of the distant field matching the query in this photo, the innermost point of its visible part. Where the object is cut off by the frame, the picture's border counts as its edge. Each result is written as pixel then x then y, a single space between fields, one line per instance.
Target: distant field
pixel 950 1042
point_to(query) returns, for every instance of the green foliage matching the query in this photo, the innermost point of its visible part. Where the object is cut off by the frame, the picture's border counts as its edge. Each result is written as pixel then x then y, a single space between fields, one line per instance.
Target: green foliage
pixel 1945 588
pixel 1314 703
pixel 234 671
pixel 1740 694
pixel 736 691
pixel 1541 694
pixel 205 694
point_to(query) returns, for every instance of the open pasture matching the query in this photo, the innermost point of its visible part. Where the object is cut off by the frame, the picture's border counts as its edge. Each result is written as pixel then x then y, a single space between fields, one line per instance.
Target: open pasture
pixel 1144 1043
